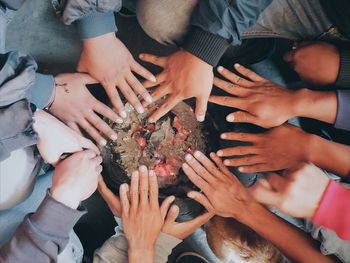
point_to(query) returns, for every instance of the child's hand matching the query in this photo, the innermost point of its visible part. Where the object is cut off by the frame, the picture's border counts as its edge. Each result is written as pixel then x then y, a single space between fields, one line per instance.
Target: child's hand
pixel 279 148
pixel 297 192
pixel 55 138
pixel 315 62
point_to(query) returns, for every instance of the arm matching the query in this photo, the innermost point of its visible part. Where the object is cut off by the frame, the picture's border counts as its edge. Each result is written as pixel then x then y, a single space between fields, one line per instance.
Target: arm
pixel 217 24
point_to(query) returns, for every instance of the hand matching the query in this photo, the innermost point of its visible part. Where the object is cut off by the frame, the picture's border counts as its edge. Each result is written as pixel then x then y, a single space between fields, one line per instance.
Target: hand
pixel 76 106
pixel 184 76
pixel 263 102
pixel 170 227
pixel 76 177
pixel 315 62
pixel 222 194
pixel 142 217
pixel 108 60
pixel 55 138
pixel 297 192
pixel 279 148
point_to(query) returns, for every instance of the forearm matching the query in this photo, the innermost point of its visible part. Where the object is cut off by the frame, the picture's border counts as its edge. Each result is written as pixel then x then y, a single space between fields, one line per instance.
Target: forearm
pixel 291 241
pixel 318 105
pixel 331 156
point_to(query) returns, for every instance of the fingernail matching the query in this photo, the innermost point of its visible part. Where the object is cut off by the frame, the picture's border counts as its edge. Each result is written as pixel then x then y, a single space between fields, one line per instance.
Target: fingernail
pixel 114 137
pixel 241 169
pixel 152 173
pixel 220 68
pixel 223 136
pixel 140 109
pixel 119 120
pixel 226 162
pixel 172 198
pixel 102 142
pixel 143 168
pixel 151 120
pixel 148 98
pixel 153 79
pixel 220 153
pixel 123 114
pixel 230 118
pixel 190 195
pixel 188 157
pixel 135 174
pixel 197 154
pixel 185 165
pixel 141 56
pixel 200 118
pixel 125 186
pixel 237 65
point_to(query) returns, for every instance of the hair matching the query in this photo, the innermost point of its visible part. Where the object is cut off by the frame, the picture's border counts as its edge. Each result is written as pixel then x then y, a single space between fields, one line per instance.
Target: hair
pixel 232 241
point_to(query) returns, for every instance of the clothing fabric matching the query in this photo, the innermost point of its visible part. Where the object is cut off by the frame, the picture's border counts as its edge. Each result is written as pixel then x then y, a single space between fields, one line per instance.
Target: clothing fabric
pixel 115 249
pixel 334 211
pixel 343 113
pixel 343 79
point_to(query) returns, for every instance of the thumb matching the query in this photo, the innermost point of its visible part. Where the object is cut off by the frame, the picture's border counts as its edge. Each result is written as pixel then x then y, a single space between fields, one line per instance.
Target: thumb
pixel 165 206
pixel 87 144
pixel 202 199
pixel 172 214
pixel 201 108
pixel 87 79
pixel 242 116
pixel 263 193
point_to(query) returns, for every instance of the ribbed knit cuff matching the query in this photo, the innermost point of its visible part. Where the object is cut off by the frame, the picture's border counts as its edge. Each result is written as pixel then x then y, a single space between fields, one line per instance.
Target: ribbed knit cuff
pixel 343 79
pixel 54 218
pixel 96 24
pixel 42 91
pixel 204 45
pixel 342 120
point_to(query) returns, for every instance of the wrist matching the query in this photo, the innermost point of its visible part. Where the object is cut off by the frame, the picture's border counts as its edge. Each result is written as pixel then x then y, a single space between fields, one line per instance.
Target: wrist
pixel 63 197
pixel 94 42
pixel 145 255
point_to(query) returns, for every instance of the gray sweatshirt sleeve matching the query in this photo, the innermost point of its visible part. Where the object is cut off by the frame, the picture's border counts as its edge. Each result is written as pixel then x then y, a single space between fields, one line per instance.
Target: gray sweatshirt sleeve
pixel 42 235
pixel 93 17
pixel 216 24
pixel 20 85
pixel 342 120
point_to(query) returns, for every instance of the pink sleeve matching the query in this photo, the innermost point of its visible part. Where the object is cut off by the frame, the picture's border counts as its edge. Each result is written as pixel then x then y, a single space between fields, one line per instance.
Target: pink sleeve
pixel 334 210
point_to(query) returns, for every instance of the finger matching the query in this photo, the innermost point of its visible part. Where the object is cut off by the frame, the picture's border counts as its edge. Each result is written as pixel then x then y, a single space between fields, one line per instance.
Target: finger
pixel 192 225
pixel 138 87
pixel 101 126
pixel 113 95
pixel 143 72
pixel 89 154
pixel 209 165
pixel 143 187
pixel 202 199
pixel 160 79
pixel 221 165
pixel 99 169
pixel 239 151
pixel 173 213
pixel 165 206
pixel 243 161
pixel 201 108
pixel 160 92
pixel 74 126
pixel 124 199
pixel 106 111
pixel 134 190
pixel 167 106
pixel 264 195
pixel 159 61
pixel 97 160
pixel 199 169
pixel 248 73
pixel 240 136
pixel 195 178
pixel 153 189
pixel 235 79
pixel 231 88
pixel 130 96
pixel 228 101
pixel 87 79
pixel 256 168
pixel 111 199
pixel 93 132
pixel 242 117
pixel 277 182
pixel 87 144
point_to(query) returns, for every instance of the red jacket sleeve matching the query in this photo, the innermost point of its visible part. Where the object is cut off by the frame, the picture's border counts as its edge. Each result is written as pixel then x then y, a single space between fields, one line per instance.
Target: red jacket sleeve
pixel 334 210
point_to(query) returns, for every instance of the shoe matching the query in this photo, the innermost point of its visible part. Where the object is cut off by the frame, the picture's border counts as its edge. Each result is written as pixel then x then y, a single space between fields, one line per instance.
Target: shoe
pixel 191 257
pixel 251 51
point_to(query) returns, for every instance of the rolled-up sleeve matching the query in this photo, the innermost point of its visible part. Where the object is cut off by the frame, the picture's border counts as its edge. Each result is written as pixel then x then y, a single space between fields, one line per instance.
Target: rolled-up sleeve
pixel 343 114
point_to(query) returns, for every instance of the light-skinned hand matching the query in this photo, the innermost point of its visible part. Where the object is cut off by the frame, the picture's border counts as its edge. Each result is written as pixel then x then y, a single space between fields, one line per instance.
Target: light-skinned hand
pixel 108 60
pixel 78 108
pixel 75 178
pixel 297 192
pixel 184 76
pixel 55 138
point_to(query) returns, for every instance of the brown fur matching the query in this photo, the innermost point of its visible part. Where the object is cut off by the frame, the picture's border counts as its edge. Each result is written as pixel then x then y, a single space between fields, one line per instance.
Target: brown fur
pixel 241 240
